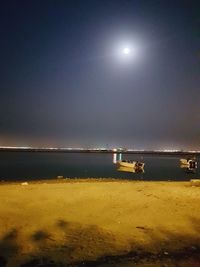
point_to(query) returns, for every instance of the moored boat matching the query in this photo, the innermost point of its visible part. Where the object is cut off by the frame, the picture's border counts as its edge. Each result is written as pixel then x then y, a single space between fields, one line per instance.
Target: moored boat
pixel 130 164
pixel 188 163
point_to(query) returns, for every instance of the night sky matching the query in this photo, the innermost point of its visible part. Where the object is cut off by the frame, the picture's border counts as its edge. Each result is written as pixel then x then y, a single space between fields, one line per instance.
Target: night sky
pixel 64 81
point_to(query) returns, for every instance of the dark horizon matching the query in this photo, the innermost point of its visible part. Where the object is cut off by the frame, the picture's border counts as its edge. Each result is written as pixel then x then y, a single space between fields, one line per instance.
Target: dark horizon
pixel 63 84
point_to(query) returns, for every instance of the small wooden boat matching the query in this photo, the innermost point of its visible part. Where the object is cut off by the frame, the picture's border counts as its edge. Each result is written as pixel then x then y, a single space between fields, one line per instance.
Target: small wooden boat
pixel 130 164
pixel 188 163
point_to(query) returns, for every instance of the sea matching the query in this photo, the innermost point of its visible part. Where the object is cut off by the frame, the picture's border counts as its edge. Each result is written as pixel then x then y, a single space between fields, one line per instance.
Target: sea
pixel 26 166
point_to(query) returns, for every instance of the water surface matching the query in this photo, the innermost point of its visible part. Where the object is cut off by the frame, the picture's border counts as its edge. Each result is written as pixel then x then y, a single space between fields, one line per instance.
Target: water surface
pixel 37 165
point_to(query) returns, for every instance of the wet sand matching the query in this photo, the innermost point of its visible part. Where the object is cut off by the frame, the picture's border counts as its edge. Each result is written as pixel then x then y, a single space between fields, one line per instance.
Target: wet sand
pixel 99 223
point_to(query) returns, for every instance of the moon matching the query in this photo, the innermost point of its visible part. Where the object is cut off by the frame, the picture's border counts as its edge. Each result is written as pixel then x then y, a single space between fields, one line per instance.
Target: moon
pixel 126 50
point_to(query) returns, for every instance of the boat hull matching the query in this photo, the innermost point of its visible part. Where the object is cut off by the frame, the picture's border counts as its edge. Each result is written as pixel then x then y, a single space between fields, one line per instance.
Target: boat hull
pixel 127 164
pixel 184 162
pixel 132 170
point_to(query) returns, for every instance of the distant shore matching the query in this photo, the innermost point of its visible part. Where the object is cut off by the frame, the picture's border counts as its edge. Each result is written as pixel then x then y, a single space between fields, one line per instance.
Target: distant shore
pixel 99 221
pixel 123 151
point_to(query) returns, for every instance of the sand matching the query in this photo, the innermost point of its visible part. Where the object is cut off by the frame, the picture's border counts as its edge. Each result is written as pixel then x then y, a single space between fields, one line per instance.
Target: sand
pixel 99 223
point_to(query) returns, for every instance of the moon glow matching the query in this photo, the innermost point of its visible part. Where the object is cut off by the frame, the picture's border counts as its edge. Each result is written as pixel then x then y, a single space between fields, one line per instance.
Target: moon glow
pixel 126 50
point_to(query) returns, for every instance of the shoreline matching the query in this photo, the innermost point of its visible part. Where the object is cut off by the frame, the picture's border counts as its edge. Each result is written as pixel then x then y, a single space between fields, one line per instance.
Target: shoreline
pixel 63 180
pixel 100 222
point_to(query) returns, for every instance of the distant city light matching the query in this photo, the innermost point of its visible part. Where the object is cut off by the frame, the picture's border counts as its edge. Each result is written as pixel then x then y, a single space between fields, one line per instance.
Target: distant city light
pixel 114 150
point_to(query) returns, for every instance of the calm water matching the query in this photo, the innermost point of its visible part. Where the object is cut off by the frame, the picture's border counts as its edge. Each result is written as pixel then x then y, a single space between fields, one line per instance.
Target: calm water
pixel 34 165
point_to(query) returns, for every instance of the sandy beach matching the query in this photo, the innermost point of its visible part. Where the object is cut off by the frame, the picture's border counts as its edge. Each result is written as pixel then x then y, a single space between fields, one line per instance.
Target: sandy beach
pixel 99 223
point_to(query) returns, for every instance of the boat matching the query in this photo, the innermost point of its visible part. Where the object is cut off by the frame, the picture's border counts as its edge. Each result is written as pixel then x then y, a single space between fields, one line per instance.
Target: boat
pixel 188 163
pixel 131 164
